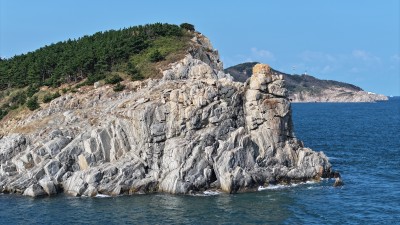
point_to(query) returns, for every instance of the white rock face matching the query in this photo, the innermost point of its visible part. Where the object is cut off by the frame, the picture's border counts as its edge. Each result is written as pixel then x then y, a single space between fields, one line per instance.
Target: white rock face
pixel 193 130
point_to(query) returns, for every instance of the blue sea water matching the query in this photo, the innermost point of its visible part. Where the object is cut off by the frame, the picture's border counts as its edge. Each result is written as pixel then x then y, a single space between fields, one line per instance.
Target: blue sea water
pixel 362 141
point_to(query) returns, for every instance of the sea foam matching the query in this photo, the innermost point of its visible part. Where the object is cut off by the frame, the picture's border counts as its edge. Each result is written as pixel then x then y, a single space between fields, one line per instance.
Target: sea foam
pixel 102 196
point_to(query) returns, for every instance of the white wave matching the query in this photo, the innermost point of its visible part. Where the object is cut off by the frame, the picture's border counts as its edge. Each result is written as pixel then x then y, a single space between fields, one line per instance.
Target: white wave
pixel 211 193
pixel 333 158
pixel 102 196
pixel 207 193
pixel 315 187
pixel 273 187
pixel 281 186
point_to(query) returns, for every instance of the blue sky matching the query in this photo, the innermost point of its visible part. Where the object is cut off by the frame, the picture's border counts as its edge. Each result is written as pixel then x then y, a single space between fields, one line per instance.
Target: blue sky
pixel 351 41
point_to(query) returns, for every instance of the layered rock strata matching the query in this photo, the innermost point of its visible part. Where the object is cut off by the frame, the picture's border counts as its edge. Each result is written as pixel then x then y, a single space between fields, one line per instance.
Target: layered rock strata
pixel 194 129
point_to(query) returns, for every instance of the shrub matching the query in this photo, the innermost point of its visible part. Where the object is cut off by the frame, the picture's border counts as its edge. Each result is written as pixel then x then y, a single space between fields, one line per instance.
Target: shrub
pixel 155 56
pixel 56 95
pixel 92 78
pixel 18 98
pixel 48 97
pixel 137 76
pixel 187 26
pixel 113 79
pixel 134 72
pixel 119 87
pixel 81 84
pixel 32 89
pixel 32 103
pixel 3 112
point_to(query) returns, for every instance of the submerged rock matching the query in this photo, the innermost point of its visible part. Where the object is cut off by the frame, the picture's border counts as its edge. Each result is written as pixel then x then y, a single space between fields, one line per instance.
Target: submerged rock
pixel 192 130
pixel 338 180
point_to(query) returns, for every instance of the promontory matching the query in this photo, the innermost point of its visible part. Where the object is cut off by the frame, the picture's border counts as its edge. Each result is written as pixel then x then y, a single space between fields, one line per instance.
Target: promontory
pixel 187 130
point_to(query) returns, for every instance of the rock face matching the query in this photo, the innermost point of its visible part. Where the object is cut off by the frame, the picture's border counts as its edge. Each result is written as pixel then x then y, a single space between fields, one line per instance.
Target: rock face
pixel 194 129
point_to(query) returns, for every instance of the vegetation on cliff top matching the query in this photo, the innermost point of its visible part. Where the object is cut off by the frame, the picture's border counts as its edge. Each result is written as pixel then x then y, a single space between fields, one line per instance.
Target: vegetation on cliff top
pixel 136 52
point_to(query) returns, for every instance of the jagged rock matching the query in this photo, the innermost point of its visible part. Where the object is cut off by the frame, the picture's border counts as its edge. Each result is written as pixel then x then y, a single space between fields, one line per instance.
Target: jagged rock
pixel 10 146
pixel 35 190
pixel 261 69
pixel 8 169
pixel 52 167
pixel 277 88
pixel 338 180
pixel 192 130
pixel 48 186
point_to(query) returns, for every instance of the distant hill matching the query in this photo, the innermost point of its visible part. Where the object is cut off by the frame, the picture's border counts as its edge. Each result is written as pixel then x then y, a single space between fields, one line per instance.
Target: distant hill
pixel 306 88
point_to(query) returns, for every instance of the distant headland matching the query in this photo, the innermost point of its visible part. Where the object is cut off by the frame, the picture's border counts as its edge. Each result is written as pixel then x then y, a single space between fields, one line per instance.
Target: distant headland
pixel 306 88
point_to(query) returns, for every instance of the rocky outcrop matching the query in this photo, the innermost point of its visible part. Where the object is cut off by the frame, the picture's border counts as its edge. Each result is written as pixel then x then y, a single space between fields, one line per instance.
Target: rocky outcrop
pixel 194 129
pixel 337 94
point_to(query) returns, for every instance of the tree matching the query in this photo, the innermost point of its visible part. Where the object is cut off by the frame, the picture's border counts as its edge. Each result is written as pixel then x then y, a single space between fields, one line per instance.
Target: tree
pixel 187 26
pixel 113 79
pixel 119 87
pixel 3 113
pixel 32 89
pixel 32 103
pixel 48 97
pixel 89 59
pixel 155 56
pixel 134 72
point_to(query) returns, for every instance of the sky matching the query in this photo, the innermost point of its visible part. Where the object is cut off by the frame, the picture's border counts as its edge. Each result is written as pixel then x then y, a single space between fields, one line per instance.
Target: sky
pixel 350 41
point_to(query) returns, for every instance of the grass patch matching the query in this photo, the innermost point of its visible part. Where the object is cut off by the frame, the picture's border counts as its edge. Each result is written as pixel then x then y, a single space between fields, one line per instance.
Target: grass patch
pixel 171 49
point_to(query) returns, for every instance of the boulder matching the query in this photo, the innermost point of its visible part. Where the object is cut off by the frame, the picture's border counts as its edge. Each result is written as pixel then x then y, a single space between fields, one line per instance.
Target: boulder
pixel 35 190
pixel 48 186
pixel 261 69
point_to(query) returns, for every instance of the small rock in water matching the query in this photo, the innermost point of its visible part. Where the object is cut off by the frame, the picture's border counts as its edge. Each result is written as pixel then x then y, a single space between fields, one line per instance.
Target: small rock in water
pixel 338 180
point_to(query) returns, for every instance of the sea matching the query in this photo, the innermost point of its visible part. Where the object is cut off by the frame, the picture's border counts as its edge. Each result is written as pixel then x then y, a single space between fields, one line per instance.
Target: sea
pixel 362 141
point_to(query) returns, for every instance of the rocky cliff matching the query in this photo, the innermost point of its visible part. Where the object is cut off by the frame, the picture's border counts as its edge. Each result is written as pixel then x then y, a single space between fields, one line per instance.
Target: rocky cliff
pixel 194 129
pixel 305 88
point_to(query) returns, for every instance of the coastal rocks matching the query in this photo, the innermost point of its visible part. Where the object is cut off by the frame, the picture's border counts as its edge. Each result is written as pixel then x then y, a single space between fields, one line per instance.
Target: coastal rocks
pixel 194 129
pixel 338 180
pixel 10 146
pixel 35 190
pixel 336 94
pixel 48 186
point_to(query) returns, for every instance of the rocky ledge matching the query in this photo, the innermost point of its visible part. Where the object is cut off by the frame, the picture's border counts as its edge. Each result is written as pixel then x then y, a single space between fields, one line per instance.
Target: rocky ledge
pixel 193 130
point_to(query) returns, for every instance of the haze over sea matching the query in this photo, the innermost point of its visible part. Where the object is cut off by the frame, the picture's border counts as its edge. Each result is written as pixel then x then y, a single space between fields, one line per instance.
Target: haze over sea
pixel 362 141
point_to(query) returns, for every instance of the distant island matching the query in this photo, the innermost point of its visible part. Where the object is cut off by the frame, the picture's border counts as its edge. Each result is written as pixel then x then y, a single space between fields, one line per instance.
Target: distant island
pixel 306 88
